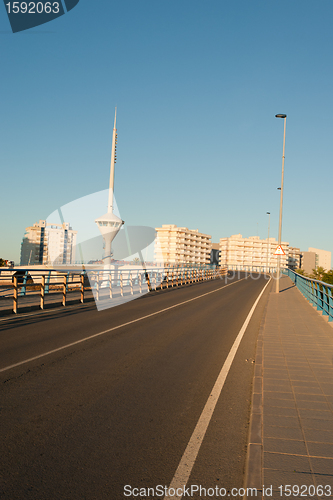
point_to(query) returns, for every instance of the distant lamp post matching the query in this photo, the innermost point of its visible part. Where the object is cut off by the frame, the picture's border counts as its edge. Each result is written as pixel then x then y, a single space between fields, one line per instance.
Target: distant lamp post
pixel 277 289
pixel 269 222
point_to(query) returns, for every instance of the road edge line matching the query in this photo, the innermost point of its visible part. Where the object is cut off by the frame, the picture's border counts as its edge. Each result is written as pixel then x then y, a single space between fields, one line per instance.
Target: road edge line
pixel 185 466
pixel 253 467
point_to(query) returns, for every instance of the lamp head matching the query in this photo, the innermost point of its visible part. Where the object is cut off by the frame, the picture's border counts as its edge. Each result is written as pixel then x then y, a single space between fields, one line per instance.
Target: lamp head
pixel 281 116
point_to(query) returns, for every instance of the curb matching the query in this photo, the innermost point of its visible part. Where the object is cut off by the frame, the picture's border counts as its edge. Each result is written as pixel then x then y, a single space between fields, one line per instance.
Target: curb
pixel 253 474
pixel 253 466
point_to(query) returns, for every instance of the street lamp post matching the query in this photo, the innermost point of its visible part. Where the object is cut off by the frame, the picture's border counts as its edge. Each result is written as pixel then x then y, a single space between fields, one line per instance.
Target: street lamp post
pixel 269 223
pixel 277 289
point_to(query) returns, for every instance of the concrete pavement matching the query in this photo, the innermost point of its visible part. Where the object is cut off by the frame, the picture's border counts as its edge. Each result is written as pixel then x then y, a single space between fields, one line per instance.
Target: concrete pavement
pixel 291 432
pixel 93 401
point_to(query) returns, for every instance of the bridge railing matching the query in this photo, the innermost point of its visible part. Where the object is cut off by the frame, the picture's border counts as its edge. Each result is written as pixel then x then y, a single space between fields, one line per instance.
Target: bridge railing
pixel 252 268
pixel 318 293
pixel 103 283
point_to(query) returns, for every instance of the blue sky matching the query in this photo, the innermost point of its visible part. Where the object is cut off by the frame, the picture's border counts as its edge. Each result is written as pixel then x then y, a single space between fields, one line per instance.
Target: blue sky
pixel 197 85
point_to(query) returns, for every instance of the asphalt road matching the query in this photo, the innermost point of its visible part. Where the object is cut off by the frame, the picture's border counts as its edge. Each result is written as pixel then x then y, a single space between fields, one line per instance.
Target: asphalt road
pixel 119 409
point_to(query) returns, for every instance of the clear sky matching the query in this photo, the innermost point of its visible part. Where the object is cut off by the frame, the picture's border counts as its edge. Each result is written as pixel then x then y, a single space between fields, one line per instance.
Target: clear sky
pixel 197 85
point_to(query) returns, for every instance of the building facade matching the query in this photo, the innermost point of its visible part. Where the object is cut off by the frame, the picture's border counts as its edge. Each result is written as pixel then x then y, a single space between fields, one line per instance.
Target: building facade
pixel 241 253
pixel 215 254
pixel 45 243
pixel 323 258
pixel 180 245
pixel 294 260
pixel 309 262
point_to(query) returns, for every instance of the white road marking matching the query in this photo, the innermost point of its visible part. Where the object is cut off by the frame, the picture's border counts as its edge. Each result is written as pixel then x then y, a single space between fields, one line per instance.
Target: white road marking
pixel 187 461
pixel 112 329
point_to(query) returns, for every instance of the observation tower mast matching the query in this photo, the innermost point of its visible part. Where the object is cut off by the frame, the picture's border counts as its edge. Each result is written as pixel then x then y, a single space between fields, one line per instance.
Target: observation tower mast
pixel 109 224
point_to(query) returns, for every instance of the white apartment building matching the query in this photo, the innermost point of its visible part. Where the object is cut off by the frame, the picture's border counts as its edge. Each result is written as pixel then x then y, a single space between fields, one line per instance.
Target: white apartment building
pixel 294 258
pixel 323 258
pixel 238 252
pixel 45 243
pixel 180 245
pixel 309 262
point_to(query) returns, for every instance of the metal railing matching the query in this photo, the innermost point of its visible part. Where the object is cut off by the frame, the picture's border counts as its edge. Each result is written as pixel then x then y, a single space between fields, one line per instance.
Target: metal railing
pixel 252 268
pixel 17 283
pixel 42 283
pixel 318 293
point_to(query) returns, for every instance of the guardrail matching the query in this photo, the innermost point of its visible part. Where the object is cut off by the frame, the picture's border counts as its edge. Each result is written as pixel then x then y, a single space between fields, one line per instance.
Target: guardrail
pixel 16 283
pixel 318 293
pixel 252 268
pixel 40 283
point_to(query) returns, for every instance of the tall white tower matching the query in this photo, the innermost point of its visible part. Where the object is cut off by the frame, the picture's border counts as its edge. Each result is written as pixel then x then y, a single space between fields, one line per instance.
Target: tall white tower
pixel 109 224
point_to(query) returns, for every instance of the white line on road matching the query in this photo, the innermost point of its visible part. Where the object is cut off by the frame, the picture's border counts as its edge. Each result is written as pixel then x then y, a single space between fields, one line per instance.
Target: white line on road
pixel 112 329
pixel 187 461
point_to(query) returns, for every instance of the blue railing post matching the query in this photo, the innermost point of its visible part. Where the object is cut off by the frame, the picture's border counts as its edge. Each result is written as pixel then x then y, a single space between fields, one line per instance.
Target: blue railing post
pixel 330 303
pixel 47 283
pixel 25 279
pixel 325 300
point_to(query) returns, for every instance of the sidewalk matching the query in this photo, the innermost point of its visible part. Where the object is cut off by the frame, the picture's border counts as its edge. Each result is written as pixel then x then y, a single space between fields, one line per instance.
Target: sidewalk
pixel 291 430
